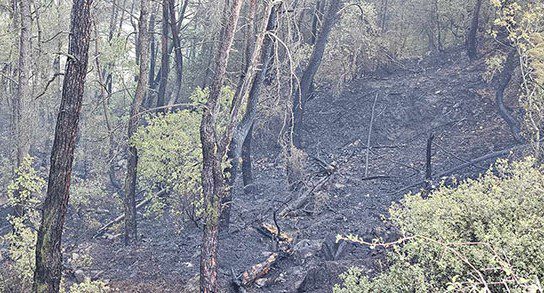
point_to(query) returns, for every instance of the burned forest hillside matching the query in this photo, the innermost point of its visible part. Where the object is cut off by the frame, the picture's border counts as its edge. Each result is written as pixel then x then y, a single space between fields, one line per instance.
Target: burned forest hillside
pixel 271 146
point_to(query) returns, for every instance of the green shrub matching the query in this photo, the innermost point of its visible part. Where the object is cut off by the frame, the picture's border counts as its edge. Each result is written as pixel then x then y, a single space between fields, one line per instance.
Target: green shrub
pixel 483 235
pixel 170 154
pixel 88 286
pixel 24 193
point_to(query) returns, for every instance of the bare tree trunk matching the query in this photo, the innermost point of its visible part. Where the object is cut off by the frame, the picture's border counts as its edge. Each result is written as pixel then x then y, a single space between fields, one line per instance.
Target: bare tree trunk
pixel 316 20
pixel 149 99
pixel 247 173
pixel 165 57
pixel 472 36
pixel 177 46
pixel 243 128
pixel 131 234
pixel 510 65
pixel 300 97
pixel 47 274
pixel 213 185
pixel 384 16
pixel 21 100
pixel 21 103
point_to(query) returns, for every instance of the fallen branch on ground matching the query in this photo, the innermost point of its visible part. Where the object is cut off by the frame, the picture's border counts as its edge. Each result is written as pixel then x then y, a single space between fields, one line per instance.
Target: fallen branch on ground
pixel 122 217
pixel 304 198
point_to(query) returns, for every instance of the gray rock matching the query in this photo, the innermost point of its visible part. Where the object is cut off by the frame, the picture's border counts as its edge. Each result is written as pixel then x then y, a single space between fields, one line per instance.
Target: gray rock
pixel 307 248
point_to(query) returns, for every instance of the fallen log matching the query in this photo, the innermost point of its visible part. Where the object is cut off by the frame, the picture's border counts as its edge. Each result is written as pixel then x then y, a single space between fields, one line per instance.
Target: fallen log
pixel 258 271
pixel 141 204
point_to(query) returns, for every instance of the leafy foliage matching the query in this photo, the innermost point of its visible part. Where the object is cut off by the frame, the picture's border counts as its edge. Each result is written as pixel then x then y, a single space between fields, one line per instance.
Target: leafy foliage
pixel 523 21
pixel 485 233
pixel 24 194
pixel 89 286
pixel 170 154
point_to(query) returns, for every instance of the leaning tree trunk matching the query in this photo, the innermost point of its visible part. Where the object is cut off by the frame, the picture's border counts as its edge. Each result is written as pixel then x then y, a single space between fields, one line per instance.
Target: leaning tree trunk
pixel 131 234
pixel 47 274
pixel 300 97
pixel 213 185
pixel 472 36
pixel 243 128
pixel 510 65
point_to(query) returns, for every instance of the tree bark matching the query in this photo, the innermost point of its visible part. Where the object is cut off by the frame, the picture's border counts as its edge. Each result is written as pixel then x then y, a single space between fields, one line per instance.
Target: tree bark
pixel 300 97
pixel 131 234
pixel 149 99
pixel 47 274
pixel 472 36
pixel 213 187
pixel 510 65
pixel 177 46
pixel 243 128
pixel 165 57
pixel 21 101
pixel 247 173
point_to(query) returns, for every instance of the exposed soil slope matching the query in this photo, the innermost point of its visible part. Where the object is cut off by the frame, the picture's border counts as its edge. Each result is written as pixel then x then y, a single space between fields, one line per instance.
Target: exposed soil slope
pixel 444 95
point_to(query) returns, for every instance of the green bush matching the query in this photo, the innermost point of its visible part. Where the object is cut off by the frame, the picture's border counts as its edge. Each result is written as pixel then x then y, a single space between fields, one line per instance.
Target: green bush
pixel 170 154
pixel 483 235
pixel 25 194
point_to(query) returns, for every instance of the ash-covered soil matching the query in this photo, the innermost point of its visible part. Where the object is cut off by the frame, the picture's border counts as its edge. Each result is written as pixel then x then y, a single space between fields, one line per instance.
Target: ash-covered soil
pixel 444 95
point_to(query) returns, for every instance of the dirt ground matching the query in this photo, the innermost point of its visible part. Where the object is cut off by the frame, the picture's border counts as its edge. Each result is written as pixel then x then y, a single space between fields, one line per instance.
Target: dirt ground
pixel 445 96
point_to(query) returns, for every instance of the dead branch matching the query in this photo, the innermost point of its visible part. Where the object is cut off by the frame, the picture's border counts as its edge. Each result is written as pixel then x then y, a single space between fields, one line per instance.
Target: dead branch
pixel 472 162
pixel 122 217
pixel 304 198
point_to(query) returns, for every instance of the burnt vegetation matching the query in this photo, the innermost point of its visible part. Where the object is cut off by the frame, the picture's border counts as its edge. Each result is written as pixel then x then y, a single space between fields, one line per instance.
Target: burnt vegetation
pixel 271 146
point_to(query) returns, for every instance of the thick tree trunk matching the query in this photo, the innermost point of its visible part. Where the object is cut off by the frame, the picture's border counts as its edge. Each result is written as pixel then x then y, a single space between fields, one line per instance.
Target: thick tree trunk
pixel 472 36
pixel 47 274
pixel 300 97
pixel 213 187
pixel 131 234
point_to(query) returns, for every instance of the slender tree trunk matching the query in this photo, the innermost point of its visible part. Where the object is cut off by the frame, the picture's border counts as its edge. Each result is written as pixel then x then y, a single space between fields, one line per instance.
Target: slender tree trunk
pixel 300 97
pixel 131 234
pixel 21 101
pixel 149 99
pixel 247 173
pixel 177 47
pixel 510 65
pixel 165 57
pixel 316 20
pixel 384 16
pixel 213 185
pixel 472 36
pixel 47 274
pixel 243 128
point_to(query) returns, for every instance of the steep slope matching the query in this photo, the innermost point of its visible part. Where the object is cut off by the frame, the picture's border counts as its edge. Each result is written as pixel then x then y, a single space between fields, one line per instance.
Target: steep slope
pixel 444 96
